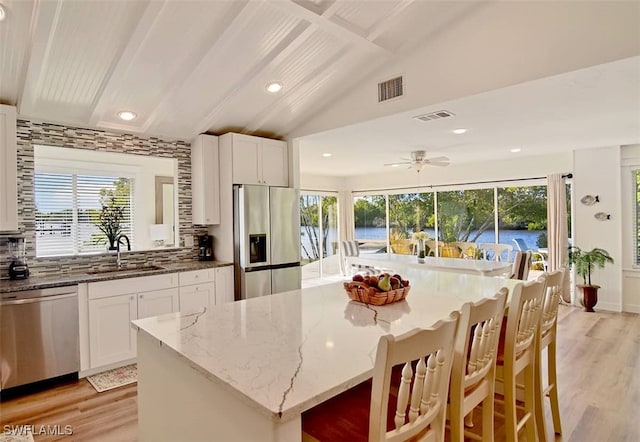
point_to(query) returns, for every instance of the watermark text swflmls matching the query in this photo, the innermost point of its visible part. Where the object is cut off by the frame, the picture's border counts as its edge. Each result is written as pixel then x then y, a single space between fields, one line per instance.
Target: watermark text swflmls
pixel 38 430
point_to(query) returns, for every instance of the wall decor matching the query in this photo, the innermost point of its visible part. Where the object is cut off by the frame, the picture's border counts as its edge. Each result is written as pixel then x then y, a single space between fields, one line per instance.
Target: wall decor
pixel 601 216
pixel 590 200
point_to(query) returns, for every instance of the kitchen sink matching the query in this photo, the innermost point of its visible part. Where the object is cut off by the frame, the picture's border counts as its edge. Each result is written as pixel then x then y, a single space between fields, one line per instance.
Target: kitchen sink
pixel 125 270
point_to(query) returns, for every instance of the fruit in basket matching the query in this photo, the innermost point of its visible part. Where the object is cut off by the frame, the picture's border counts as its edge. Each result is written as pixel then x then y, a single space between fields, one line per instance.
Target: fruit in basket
pixel 358 278
pixel 395 283
pixel 405 282
pixel 373 281
pixel 384 283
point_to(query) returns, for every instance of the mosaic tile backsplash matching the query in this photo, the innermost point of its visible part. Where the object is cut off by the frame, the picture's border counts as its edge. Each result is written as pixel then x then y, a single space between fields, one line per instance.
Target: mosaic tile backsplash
pixel 31 133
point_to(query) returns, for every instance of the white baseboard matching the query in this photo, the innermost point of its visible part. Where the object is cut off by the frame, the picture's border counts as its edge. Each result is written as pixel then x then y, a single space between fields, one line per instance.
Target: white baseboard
pixel 631 308
pixel 608 306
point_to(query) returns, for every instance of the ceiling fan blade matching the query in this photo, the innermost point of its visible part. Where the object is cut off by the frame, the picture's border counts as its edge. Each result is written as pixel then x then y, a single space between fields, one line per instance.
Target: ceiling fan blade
pixel 397 164
pixel 438 161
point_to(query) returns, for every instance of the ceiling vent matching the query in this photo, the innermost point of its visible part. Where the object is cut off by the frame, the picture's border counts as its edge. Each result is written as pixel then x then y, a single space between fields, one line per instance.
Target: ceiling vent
pixel 435 115
pixel 389 89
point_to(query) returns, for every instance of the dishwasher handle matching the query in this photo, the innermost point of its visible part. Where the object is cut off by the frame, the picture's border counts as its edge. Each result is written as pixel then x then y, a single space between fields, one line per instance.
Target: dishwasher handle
pixel 38 299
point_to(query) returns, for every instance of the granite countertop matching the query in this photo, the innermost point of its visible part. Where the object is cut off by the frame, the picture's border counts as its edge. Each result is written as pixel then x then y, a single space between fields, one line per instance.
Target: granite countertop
pixel 72 278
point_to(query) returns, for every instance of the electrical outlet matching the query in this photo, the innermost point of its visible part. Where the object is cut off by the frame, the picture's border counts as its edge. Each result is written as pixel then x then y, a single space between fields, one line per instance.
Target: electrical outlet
pixel 188 241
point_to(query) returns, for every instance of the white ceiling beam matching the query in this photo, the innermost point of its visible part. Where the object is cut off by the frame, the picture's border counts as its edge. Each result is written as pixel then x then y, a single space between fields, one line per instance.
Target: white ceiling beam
pixel 44 25
pixel 381 26
pixel 114 81
pixel 233 31
pixel 288 45
pixel 331 27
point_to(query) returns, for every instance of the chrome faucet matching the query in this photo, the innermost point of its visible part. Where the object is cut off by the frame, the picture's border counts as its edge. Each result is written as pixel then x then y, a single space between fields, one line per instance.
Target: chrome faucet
pixel 118 240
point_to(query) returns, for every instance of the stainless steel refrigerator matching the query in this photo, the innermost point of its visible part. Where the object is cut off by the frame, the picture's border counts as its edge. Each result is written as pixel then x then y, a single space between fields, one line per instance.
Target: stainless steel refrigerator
pixel 266 240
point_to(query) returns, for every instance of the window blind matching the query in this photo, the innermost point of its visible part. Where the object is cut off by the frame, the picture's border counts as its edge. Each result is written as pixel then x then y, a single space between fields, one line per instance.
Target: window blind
pixel 68 209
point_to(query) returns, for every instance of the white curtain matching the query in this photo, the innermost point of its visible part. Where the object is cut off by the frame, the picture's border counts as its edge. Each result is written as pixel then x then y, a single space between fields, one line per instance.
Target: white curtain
pixel 557 234
pixel 345 221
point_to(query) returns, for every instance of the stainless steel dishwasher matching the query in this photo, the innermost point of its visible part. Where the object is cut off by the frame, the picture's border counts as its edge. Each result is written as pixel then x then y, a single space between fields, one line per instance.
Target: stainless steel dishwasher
pixel 38 335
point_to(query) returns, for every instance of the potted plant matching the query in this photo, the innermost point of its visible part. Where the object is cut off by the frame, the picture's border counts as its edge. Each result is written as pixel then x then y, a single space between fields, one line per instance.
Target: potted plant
pixel 110 223
pixel 584 263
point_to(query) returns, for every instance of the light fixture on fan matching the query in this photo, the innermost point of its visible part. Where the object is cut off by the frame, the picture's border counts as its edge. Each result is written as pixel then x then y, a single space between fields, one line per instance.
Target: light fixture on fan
pixel 419 159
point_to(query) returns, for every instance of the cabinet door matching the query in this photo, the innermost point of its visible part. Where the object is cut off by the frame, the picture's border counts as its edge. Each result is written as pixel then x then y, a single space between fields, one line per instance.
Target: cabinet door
pixel 157 303
pixel 224 284
pixel 205 184
pixel 194 298
pixel 275 167
pixel 245 159
pixel 112 338
pixel 8 169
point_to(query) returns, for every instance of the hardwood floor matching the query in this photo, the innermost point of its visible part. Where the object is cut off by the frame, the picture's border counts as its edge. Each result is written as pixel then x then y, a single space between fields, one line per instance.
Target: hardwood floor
pixel 598 378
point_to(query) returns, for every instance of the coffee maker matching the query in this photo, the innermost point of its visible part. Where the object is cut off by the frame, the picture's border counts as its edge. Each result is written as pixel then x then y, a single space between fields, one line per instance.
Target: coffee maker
pixel 205 248
pixel 18 268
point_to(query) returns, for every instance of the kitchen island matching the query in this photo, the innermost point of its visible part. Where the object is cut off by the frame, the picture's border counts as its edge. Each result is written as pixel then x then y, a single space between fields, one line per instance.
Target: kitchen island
pixel 247 370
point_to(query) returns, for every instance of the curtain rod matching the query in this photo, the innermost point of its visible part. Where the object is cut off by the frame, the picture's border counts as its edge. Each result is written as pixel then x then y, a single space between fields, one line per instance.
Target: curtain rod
pixel 431 186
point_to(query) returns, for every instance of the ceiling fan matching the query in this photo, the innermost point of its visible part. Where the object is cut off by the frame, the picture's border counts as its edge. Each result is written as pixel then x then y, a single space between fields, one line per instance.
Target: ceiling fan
pixel 419 159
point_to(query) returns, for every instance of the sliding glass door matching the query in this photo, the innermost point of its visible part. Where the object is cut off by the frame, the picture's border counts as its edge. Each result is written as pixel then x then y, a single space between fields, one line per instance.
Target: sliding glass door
pixel 319 241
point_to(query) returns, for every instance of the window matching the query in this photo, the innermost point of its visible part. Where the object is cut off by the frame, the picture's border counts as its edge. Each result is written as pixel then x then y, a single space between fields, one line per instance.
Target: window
pixel 636 181
pixel 69 207
pixel 408 213
pixel 370 217
pixel 319 235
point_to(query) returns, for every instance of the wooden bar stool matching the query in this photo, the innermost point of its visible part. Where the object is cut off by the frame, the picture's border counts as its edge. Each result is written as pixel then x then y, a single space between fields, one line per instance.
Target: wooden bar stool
pixel 419 408
pixel 548 331
pixel 517 353
pixel 474 364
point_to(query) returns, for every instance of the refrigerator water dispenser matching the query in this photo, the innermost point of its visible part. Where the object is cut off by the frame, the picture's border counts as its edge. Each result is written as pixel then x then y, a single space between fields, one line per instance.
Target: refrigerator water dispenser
pixel 257 248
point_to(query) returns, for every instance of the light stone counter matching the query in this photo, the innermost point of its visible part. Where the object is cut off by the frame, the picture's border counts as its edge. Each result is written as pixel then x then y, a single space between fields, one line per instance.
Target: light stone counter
pixel 247 370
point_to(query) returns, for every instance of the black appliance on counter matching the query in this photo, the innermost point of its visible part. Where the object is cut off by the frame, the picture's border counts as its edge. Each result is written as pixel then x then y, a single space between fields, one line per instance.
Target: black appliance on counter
pixel 205 248
pixel 18 268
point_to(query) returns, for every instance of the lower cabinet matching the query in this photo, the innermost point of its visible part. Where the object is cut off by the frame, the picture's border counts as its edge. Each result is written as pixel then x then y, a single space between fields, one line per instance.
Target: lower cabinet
pixel 112 338
pixel 110 307
pixel 224 284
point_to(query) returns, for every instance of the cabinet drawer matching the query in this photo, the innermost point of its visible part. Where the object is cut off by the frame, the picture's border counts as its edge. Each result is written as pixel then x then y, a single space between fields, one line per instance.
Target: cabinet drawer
pixel 197 277
pixel 116 287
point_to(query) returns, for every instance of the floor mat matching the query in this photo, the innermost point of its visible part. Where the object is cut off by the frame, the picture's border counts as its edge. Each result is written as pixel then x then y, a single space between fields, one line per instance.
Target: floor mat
pixel 118 377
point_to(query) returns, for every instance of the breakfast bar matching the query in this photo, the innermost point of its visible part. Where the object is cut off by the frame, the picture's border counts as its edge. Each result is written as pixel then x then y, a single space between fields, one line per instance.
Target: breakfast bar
pixel 247 370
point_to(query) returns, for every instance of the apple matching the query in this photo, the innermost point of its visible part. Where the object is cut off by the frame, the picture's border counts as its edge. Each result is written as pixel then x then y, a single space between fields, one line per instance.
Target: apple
pixel 358 278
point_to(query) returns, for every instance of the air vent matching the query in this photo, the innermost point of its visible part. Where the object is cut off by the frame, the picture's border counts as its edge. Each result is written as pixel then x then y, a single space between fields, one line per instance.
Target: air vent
pixel 390 89
pixel 435 115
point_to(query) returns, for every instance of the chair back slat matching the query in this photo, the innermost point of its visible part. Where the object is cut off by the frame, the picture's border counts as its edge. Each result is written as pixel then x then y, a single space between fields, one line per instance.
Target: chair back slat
pixel 422 393
pixel 552 300
pixel 525 310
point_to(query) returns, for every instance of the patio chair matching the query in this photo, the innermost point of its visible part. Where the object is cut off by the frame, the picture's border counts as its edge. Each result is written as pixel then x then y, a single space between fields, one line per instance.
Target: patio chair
pixel 351 248
pixel 537 257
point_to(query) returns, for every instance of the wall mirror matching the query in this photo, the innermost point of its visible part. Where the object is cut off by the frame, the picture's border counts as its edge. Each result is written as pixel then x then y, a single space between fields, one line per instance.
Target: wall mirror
pixel 84 197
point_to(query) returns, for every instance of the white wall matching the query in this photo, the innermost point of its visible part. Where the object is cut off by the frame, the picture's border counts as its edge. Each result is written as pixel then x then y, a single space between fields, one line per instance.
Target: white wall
pixel 498 45
pixel 630 157
pixel 597 172
pixel 515 167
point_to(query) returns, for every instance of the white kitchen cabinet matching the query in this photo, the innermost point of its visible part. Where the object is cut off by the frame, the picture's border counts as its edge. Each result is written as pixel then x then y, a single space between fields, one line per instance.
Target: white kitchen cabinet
pixel 158 303
pixel 8 169
pixel 224 284
pixel 197 290
pixel 111 336
pixel 205 182
pixel 257 160
pixel 114 304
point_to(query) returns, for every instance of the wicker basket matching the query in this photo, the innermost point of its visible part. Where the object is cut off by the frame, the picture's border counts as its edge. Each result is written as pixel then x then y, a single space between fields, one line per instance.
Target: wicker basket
pixel 363 293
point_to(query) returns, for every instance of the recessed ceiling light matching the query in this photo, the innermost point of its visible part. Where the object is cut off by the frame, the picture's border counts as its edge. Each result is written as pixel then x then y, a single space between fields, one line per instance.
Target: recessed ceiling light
pixel 459 131
pixel 395 165
pixel 274 87
pixel 326 154
pixel 3 13
pixel 127 115
pixel 515 150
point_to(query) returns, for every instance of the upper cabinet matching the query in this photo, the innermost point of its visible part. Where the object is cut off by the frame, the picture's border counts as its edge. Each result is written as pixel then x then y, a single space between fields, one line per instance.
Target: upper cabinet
pixel 257 160
pixel 8 170
pixel 205 182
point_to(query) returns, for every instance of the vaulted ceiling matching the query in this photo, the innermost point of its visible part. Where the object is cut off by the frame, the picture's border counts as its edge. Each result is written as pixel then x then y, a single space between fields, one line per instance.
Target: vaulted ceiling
pixel 187 67
pixel 540 76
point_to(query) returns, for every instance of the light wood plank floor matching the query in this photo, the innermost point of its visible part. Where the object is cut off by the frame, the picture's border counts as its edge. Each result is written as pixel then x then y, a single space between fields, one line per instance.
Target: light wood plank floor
pixel 598 369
